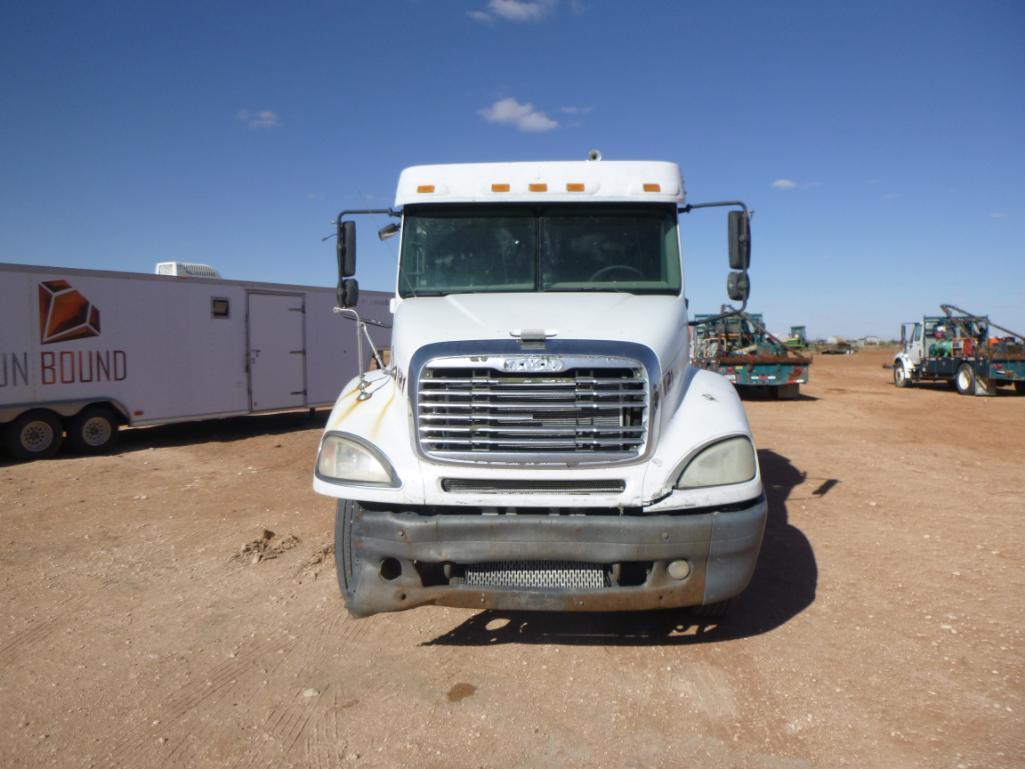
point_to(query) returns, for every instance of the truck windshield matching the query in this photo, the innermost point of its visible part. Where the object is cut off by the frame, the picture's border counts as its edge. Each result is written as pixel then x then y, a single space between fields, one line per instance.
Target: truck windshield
pixel 464 249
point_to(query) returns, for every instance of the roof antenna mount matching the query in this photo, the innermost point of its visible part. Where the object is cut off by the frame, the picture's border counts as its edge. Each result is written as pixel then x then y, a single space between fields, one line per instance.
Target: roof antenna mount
pixel 594 155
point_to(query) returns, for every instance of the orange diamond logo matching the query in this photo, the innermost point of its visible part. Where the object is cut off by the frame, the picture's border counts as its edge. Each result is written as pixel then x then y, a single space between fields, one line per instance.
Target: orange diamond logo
pixel 65 314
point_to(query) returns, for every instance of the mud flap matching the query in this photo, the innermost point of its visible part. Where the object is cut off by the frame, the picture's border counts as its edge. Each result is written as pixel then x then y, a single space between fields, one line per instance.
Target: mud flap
pixel 984 386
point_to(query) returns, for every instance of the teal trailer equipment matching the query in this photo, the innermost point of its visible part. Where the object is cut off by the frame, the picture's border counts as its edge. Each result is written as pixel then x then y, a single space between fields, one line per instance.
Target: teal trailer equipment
pixel 739 347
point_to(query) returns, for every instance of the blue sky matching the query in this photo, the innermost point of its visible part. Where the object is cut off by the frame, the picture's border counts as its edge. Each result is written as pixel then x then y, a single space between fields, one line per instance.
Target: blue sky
pixel 881 144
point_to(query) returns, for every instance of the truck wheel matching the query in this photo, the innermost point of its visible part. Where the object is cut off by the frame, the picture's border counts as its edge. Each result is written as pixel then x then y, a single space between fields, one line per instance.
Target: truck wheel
pixel 965 380
pixel 34 435
pixel 712 610
pixel 345 557
pixel 93 430
pixel 900 374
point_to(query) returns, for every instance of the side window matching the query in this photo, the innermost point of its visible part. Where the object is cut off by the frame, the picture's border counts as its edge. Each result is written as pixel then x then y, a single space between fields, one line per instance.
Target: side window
pixel 918 332
pixel 220 307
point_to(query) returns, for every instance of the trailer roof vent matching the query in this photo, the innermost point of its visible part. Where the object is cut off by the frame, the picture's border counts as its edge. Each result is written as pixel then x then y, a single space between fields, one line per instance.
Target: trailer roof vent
pixel 187 270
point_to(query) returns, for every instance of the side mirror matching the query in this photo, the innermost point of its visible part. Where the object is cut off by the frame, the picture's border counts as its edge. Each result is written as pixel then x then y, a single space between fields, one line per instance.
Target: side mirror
pixel 348 293
pixel 738 286
pixel 346 247
pixel 739 226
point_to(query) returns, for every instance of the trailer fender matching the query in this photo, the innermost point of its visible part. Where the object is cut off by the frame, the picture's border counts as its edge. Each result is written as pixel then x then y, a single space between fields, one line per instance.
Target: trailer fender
pixel 65 408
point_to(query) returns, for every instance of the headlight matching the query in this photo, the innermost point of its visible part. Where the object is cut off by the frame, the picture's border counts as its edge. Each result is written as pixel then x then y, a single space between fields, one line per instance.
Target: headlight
pixel 345 458
pixel 729 461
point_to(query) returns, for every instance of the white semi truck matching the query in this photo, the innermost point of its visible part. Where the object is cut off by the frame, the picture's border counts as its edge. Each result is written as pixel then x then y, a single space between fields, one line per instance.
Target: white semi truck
pixel 539 439
pixel 85 351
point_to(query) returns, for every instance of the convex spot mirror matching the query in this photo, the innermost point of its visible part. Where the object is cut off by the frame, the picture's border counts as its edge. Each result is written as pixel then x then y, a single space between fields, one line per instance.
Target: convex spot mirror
pixel 387 231
pixel 738 286
pixel 346 249
pixel 739 226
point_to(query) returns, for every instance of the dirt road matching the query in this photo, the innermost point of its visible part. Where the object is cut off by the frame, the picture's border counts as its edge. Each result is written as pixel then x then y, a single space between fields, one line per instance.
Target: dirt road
pixel 884 626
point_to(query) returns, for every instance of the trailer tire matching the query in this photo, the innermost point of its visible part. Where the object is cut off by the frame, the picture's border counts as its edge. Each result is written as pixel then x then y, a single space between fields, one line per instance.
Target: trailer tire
pixel 712 610
pixel 964 380
pixel 34 435
pixel 1019 387
pixel 900 374
pixel 93 430
pixel 345 556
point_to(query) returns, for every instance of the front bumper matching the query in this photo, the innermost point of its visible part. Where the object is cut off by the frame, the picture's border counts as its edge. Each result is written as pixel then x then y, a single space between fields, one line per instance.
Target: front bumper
pixel 403 559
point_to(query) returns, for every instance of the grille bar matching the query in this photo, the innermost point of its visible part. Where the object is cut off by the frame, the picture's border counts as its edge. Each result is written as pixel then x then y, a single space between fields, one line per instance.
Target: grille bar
pixel 487 486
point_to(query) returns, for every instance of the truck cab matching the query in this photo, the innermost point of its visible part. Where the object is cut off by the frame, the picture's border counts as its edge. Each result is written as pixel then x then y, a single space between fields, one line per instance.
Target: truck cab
pixel 539 439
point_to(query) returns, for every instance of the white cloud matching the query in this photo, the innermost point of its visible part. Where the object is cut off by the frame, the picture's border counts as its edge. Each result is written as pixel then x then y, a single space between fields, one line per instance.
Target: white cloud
pixel 998 215
pixel 571 110
pixel 523 116
pixel 259 119
pixel 784 184
pixel 514 10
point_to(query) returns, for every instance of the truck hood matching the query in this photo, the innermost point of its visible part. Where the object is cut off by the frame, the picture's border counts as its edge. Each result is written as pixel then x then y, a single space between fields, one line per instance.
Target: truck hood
pixel 659 322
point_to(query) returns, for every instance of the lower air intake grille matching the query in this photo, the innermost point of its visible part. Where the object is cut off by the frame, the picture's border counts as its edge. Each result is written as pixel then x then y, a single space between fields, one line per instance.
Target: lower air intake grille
pixel 483 486
pixel 538 575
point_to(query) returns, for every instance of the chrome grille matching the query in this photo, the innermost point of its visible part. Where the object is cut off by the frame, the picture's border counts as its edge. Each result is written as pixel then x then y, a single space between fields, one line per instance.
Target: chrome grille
pixel 538 575
pixel 482 413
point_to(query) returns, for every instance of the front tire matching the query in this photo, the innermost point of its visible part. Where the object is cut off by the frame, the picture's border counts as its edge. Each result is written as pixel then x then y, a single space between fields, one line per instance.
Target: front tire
pixel 34 435
pixel 965 380
pixel 93 430
pixel 346 560
pixel 900 374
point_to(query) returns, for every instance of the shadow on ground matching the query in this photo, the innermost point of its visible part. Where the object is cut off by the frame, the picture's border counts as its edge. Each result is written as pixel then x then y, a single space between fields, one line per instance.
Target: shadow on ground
pixel 783 586
pixel 751 393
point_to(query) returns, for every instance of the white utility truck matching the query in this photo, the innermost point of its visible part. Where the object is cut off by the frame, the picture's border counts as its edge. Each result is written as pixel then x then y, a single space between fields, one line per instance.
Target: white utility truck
pixel 84 351
pixel 539 439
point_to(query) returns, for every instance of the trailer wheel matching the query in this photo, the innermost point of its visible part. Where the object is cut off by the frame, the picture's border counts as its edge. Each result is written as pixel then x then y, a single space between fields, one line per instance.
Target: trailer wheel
pixel 965 380
pixel 1019 387
pixel 93 430
pixel 900 374
pixel 34 435
pixel 345 556
pixel 712 610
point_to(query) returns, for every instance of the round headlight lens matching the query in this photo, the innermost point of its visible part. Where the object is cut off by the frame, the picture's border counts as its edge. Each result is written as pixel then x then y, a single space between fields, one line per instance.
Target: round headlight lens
pixel 729 461
pixel 343 459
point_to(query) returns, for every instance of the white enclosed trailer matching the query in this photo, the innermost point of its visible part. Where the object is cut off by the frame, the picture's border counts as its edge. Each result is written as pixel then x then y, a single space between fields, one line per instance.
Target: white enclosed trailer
pixel 83 351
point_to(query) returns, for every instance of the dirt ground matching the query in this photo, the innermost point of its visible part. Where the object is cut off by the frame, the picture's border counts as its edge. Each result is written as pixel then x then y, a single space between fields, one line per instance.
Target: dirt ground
pixel 146 619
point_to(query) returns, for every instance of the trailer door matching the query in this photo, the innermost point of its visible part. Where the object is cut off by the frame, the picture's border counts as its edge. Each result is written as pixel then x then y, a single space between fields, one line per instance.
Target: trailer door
pixel 277 354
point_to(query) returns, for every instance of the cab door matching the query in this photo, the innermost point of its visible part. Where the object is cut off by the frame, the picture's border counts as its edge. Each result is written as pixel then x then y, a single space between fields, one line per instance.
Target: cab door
pixel 913 343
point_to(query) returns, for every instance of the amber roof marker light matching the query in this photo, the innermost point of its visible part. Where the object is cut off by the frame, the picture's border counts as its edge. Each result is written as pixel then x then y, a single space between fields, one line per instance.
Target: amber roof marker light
pixel 425 188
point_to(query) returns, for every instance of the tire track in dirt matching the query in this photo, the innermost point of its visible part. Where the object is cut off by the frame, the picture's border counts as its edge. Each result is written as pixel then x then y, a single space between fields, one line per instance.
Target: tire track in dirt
pixel 29 638
pixel 308 721
pixel 218 679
